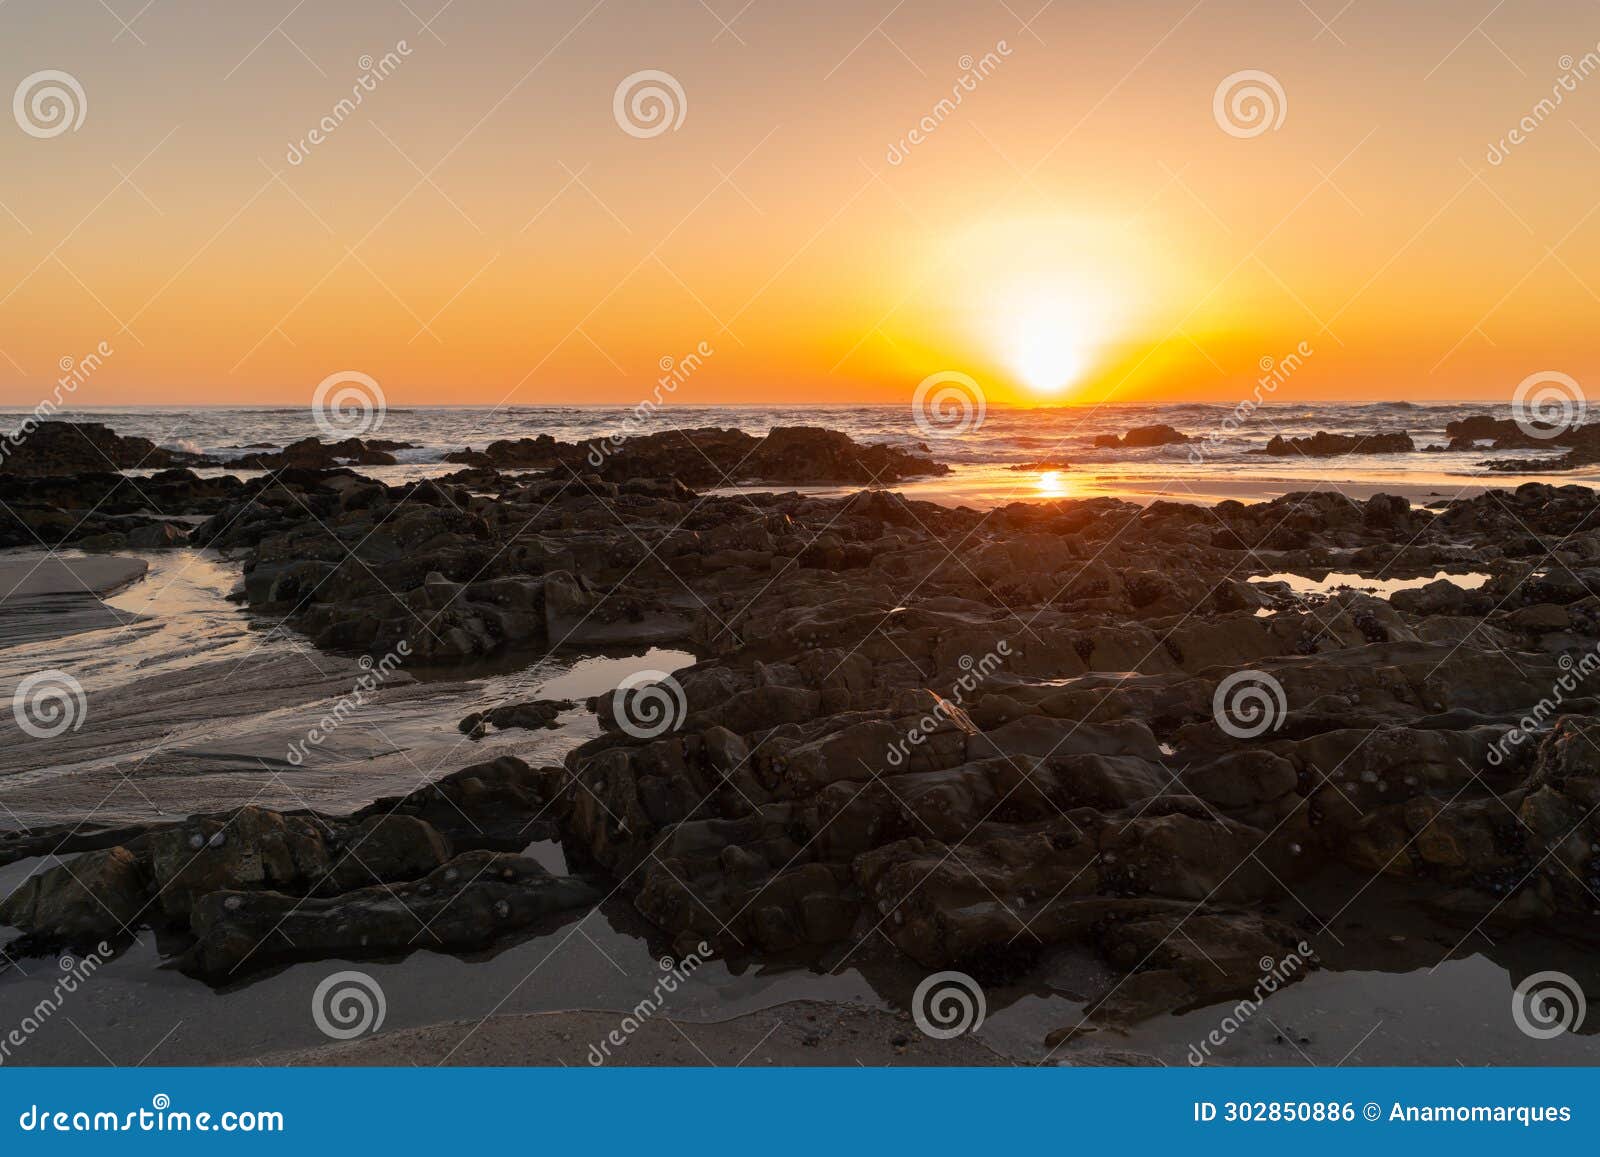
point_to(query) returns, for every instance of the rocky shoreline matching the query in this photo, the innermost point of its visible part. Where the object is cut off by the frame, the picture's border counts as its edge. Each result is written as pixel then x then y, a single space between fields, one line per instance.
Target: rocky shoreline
pixel 962 737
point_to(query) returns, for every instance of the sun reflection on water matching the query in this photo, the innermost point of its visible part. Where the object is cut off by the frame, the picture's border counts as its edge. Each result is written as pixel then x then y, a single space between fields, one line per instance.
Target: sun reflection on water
pixel 1051 484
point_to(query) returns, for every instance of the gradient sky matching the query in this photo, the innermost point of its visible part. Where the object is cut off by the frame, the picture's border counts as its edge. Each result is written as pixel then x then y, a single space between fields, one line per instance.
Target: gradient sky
pixel 481 230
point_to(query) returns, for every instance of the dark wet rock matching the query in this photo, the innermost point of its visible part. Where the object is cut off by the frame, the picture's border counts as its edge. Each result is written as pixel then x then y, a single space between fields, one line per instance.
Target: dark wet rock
pixel 65 448
pixel 157 534
pixel 1465 433
pixel 471 902
pixel 709 456
pixel 170 492
pixel 962 737
pixel 300 854
pixel 533 715
pixel 1140 437
pixel 1175 961
pixel 801 454
pixel 256 887
pixel 499 805
pixel 483 479
pixel 1046 464
pixel 1325 445
pixel 539 453
pixel 100 894
pixel 829 771
pixel 314 454
pixel 106 508
pixel 159 874
pixel 1580 446
pixel 67 839
pixel 788 455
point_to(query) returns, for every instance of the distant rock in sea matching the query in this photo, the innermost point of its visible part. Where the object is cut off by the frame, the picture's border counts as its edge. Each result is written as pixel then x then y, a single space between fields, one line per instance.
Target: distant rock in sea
pixel 1325 445
pixel 1140 437
pixel 539 453
pixel 314 454
pixel 61 448
pixel 711 456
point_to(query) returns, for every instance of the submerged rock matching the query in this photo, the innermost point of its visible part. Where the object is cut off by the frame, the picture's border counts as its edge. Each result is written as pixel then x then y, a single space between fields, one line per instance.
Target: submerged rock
pixel 534 714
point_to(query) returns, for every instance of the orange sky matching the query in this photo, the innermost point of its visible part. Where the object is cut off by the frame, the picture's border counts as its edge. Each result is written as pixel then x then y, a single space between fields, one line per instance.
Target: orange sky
pixel 481 230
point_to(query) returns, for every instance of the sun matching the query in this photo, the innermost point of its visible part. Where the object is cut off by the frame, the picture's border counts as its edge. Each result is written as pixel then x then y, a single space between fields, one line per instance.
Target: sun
pixel 1048 340
pixel 1049 297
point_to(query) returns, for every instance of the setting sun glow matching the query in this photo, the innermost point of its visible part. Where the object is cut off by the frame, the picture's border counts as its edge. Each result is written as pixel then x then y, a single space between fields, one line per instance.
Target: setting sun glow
pixel 1049 297
pixel 1049 341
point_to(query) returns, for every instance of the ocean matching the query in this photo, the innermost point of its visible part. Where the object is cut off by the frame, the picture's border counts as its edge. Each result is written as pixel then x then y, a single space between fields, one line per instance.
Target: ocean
pixel 982 456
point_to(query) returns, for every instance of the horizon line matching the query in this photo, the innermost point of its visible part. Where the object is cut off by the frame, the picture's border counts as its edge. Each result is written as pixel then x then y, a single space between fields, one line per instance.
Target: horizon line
pixel 306 405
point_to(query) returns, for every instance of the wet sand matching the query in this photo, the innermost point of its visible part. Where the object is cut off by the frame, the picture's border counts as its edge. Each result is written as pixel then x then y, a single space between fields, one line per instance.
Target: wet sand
pixel 798 1033
pixel 31 576
pixel 191 706
pixel 47 596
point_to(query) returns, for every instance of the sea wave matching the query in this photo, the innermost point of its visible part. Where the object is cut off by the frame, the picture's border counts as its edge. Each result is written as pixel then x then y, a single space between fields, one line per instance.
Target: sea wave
pixel 1009 435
